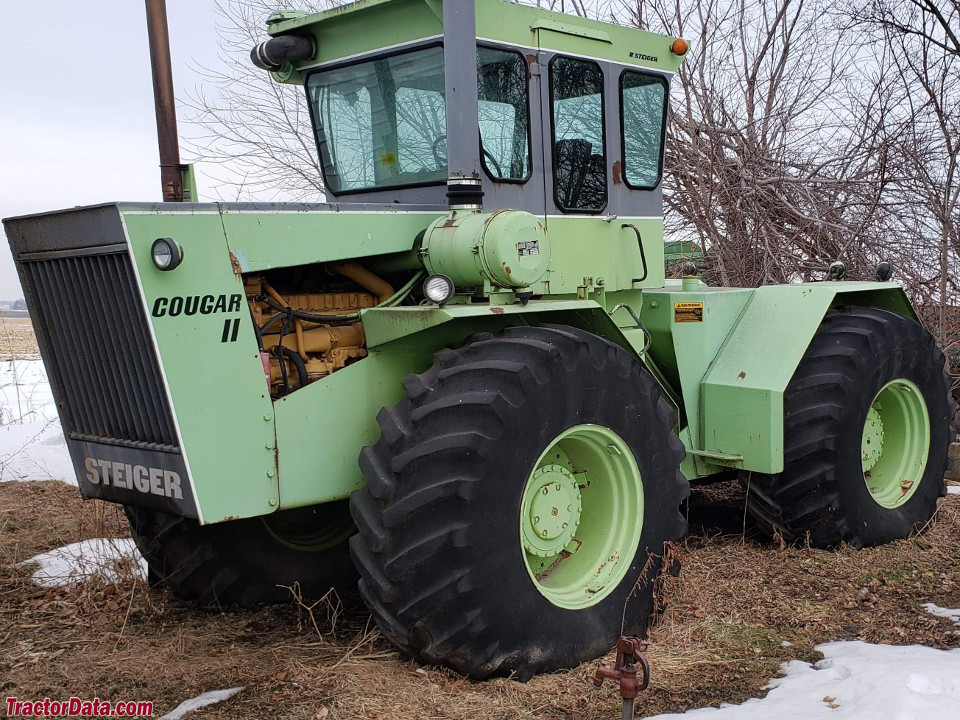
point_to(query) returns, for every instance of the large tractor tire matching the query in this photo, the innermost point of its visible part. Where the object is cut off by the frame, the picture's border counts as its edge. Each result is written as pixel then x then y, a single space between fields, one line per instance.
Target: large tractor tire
pixel 251 561
pixel 518 504
pixel 866 426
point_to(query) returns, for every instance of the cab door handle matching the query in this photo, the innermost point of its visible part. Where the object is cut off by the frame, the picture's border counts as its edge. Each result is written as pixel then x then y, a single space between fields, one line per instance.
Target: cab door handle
pixel 643 257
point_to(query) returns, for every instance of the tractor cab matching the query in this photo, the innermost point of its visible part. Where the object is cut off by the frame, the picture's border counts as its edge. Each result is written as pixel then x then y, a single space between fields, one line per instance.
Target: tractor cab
pixel 555 115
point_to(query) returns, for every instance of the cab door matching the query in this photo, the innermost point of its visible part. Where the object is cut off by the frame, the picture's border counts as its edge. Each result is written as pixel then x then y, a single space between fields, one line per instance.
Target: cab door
pixel 509 111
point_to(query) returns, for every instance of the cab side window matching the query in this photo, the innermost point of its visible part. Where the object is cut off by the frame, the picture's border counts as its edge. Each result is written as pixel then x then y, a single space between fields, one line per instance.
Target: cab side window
pixel 579 154
pixel 504 114
pixel 643 104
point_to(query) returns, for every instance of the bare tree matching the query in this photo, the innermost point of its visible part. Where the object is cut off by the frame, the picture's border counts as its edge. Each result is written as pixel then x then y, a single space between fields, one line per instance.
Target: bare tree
pixel 920 56
pixel 936 22
pixel 770 152
pixel 255 129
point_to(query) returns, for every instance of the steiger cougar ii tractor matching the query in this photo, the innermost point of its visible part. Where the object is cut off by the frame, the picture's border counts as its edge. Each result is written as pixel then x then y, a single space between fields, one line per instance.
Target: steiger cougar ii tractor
pixel 464 377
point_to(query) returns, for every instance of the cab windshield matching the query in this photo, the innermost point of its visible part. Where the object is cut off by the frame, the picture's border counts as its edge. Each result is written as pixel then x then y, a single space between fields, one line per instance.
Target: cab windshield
pixel 382 123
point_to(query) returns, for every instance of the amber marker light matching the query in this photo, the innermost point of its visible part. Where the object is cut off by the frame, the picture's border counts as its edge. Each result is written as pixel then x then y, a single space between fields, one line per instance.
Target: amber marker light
pixel 679 47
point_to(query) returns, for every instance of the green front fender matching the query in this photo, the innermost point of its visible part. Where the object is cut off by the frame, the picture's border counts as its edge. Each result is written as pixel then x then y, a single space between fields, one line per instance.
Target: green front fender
pixel 742 392
pixel 322 428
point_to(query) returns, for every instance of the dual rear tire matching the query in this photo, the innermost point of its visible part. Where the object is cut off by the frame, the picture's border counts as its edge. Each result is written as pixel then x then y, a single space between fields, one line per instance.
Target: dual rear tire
pixel 866 430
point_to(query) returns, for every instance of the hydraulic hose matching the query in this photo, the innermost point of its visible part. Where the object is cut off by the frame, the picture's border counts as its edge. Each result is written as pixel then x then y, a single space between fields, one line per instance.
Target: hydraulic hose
pixel 298 363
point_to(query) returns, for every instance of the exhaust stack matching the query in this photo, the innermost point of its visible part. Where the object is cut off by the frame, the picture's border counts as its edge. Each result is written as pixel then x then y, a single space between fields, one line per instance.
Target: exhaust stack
pixel 171 171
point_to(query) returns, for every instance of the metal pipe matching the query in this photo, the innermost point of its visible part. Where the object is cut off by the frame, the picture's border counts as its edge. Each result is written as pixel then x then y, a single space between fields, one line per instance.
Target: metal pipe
pixel 364 278
pixel 170 178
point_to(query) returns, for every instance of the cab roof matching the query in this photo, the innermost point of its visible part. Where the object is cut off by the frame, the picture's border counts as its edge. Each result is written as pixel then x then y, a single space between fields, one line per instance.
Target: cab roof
pixel 366 26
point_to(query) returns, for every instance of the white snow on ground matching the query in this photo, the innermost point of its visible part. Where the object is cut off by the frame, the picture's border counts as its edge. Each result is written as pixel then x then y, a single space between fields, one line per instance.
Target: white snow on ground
pixel 856 681
pixel 110 559
pixel 32 446
pixel 951 615
pixel 208 698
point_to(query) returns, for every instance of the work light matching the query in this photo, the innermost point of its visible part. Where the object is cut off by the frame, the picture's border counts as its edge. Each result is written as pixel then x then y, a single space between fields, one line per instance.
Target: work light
pixel 438 289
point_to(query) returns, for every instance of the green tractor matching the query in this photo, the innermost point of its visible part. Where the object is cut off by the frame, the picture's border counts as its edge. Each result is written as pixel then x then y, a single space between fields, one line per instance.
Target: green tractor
pixel 465 378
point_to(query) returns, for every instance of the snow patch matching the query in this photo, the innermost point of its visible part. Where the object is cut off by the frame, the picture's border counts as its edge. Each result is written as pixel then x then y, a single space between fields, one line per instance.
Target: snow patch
pixel 108 559
pixel 207 698
pixel 25 394
pixel 856 680
pixel 32 446
pixel 951 615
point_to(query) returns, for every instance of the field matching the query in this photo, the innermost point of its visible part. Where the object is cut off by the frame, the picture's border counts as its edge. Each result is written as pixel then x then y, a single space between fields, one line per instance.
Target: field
pixel 741 608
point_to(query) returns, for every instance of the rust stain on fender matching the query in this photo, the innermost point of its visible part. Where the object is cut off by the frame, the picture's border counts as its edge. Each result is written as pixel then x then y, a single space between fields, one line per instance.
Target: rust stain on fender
pixel 497 310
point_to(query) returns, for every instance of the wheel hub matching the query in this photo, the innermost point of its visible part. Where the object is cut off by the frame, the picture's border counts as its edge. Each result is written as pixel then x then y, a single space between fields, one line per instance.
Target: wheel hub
pixel 895 443
pixel 581 516
pixel 871 446
pixel 552 511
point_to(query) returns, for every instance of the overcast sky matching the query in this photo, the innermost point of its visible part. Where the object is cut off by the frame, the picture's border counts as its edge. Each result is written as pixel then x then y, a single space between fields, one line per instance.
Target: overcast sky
pixel 77 124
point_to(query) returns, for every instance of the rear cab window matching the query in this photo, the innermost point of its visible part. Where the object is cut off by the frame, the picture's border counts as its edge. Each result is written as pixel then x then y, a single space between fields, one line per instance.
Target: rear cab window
pixel 643 108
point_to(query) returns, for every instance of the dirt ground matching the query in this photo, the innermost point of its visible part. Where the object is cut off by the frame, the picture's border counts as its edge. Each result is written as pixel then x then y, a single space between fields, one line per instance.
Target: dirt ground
pixel 741 607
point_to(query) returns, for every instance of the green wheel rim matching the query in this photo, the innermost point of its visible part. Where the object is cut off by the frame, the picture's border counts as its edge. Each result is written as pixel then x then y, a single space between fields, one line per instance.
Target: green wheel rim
pixel 581 516
pixel 895 443
pixel 310 529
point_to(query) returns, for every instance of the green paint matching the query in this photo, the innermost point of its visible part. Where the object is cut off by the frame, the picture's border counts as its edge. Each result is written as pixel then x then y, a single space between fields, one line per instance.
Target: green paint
pixel 476 248
pixel 370 25
pixel 218 392
pixel 359 28
pixel 592 252
pixel 581 516
pixel 871 443
pixel 741 394
pixel 895 443
pixel 685 350
pixel 550 511
pixel 322 428
pixel 261 239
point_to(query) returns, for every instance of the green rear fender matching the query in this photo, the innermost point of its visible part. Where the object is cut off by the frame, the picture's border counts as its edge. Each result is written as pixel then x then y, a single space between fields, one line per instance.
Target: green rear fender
pixel 741 394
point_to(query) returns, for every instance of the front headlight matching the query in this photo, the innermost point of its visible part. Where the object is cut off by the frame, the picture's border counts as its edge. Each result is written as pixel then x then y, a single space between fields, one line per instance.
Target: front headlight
pixel 166 253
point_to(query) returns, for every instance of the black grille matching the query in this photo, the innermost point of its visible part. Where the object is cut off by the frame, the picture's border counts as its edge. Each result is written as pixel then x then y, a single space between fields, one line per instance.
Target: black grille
pixel 98 351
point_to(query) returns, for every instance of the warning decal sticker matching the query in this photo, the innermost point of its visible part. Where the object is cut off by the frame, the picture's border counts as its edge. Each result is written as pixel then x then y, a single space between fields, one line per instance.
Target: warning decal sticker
pixel 688 312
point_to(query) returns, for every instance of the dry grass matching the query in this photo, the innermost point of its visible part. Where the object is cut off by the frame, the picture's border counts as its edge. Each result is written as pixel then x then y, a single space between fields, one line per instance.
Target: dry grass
pixel 17 339
pixel 741 608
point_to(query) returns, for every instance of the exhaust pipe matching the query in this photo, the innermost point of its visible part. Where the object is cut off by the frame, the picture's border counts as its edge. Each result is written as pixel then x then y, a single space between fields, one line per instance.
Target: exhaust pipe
pixel 273 54
pixel 171 178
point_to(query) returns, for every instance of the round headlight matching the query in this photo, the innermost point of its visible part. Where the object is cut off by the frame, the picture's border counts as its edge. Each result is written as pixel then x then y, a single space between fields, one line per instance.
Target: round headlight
pixel 166 253
pixel 438 289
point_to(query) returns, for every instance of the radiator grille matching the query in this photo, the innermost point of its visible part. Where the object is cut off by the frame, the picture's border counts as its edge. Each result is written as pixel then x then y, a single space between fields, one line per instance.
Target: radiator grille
pixel 90 320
